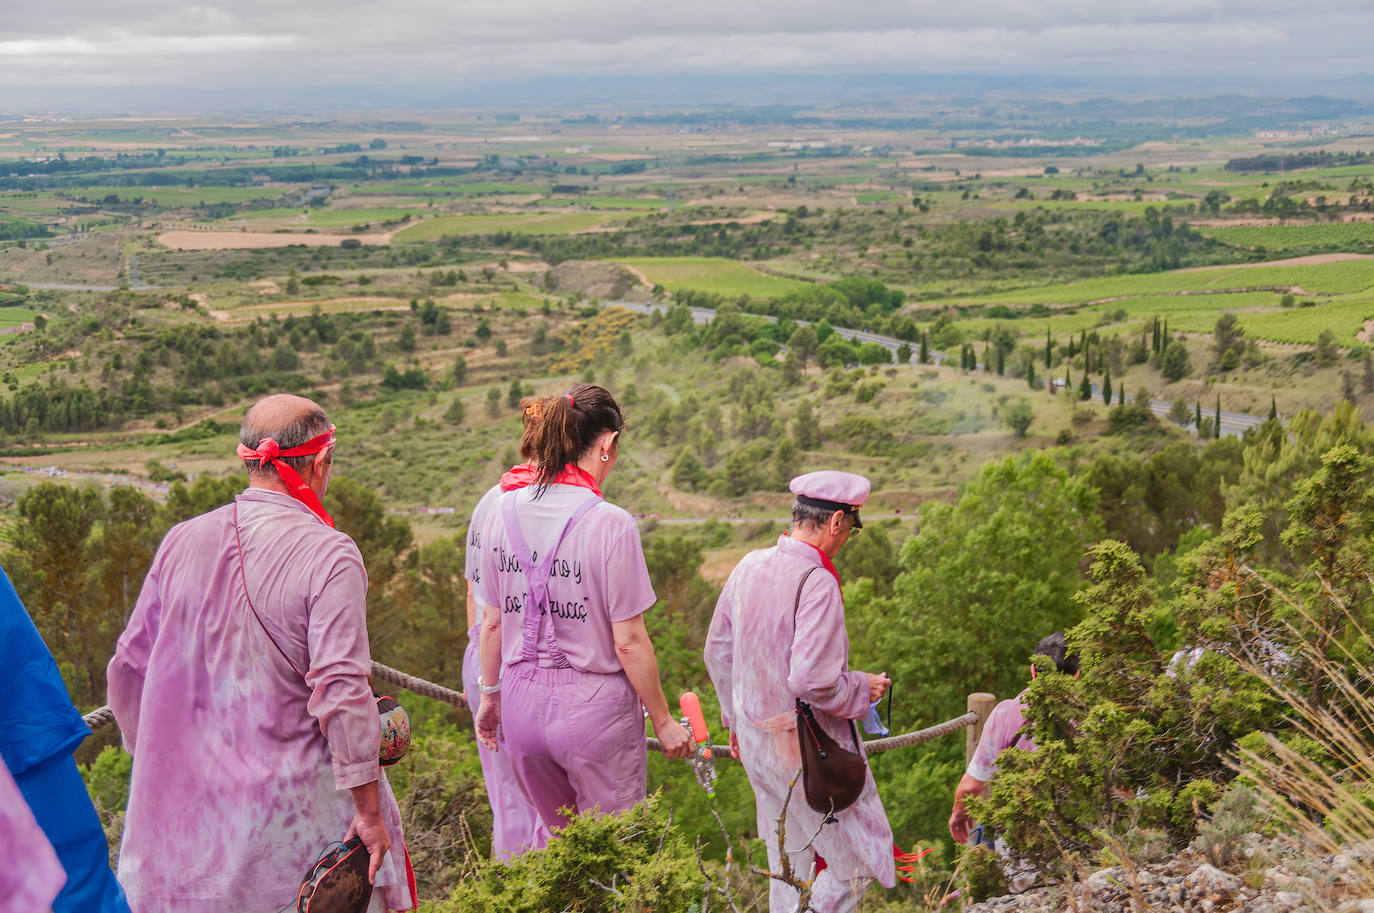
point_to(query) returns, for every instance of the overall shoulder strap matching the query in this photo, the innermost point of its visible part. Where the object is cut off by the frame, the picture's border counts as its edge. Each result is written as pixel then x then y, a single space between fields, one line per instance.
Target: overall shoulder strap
pixel 537 578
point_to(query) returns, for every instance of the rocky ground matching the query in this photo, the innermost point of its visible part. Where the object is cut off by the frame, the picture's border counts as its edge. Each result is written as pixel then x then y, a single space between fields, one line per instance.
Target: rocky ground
pixel 1266 876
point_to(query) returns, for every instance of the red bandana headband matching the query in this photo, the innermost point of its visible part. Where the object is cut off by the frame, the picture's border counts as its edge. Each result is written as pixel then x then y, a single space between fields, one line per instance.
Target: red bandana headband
pixel 270 452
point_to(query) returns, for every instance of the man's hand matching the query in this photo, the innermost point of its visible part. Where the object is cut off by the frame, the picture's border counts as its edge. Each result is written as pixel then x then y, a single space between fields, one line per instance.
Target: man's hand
pixel 960 823
pixel 367 823
pixel 675 739
pixel 877 686
pixel 488 720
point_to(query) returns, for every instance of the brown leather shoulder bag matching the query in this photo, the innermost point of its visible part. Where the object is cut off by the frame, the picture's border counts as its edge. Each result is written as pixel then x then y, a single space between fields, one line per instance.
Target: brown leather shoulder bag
pixel 832 777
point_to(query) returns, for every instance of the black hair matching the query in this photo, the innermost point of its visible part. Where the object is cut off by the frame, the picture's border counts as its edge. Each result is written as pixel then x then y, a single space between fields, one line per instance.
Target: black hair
pixel 1056 647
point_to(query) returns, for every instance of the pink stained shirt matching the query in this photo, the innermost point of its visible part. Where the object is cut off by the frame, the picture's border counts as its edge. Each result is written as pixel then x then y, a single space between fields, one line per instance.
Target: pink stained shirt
pixel 599 575
pixel 31 876
pixel 241 771
pixel 1005 727
pixel 760 659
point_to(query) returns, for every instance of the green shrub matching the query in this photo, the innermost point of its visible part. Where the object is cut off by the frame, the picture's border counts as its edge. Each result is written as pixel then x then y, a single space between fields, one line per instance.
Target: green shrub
pixel 632 861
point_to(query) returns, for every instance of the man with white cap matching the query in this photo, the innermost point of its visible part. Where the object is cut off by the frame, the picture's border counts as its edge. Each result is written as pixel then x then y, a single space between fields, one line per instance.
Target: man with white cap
pixel 762 655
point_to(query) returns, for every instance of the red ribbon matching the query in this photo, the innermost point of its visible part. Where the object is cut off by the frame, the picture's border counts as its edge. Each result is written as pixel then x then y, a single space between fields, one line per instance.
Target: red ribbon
pixel 269 451
pixel 526 474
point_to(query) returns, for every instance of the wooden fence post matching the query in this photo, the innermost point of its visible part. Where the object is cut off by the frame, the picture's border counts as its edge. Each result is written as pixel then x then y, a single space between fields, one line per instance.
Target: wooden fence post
pixel 981 703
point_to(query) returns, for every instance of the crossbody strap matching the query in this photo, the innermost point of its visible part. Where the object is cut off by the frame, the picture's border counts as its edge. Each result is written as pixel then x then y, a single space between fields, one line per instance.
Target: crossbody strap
pixel 804 708
pixel 537 578
pixel 243 577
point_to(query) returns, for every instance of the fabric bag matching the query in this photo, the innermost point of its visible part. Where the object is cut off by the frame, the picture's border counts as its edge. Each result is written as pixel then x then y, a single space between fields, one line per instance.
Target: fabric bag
pixel 832 777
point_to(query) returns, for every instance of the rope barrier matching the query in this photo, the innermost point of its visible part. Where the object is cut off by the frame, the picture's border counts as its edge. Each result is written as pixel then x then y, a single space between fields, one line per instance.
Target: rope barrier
pixel 104 716
pixel 418 685
pixel 875 746
pixel 99 717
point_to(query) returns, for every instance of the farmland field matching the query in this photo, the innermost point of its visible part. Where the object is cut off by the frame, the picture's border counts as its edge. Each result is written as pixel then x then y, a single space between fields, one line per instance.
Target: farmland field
pixel 1334 236
pixel 534 224
pixel 179 196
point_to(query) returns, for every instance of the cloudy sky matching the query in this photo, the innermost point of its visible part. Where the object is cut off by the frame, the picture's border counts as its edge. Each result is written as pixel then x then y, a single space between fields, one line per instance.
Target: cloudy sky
pixel 247 44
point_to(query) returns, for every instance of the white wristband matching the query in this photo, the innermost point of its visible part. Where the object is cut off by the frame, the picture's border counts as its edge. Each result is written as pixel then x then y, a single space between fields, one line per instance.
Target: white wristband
pixel 488 689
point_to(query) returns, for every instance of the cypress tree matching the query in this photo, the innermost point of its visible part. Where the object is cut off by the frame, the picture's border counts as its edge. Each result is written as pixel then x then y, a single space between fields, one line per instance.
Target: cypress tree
pixel 925 351
pixel 1154 346
pixel 1197 417
pixel 1049 347
pixel 1273 408
pixel 1107 388
pixel 1001 361
pixel 1030 374
pixel 1085 387
pixel 1121 395
pixel 1216 423
pixel 1068 372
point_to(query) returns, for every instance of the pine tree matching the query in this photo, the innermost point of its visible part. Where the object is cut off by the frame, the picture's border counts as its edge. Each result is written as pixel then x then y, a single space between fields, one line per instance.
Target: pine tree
pixel 1216 421
pixel 1107 388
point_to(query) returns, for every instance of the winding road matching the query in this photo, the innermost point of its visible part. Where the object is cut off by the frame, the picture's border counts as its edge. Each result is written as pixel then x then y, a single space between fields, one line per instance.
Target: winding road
pixel 1233 424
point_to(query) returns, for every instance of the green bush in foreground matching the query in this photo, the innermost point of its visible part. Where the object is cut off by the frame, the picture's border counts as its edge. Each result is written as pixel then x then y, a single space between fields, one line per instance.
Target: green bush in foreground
pixel 632 861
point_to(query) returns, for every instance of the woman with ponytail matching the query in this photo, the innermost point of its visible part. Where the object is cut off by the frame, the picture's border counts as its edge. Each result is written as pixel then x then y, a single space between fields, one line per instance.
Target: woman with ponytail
pixel 514 822
pixel 567 665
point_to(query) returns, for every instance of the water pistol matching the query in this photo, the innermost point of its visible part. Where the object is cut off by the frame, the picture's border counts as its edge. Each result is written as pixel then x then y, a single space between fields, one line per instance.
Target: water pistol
pixel 703 758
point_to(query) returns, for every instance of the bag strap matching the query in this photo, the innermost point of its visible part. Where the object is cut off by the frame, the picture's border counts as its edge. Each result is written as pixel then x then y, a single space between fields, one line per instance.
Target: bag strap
pixel 537 578
pixel 243 577
pixel 803 708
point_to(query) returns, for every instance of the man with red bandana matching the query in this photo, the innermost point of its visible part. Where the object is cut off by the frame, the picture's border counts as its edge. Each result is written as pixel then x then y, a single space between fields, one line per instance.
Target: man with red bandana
pixel 762 655
pixel 240 687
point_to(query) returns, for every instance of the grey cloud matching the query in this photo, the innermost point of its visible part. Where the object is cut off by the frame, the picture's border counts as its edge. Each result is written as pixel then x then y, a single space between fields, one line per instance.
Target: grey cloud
pixel 319 42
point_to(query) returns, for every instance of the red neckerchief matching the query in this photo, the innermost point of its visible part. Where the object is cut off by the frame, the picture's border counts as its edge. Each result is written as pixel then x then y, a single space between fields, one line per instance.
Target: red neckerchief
pixel 825 561
pixel 526 474
pixel 269 451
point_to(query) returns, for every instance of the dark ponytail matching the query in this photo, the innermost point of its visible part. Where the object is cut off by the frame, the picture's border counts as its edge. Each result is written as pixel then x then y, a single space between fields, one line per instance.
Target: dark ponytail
pixel 532 409
pixel 570 424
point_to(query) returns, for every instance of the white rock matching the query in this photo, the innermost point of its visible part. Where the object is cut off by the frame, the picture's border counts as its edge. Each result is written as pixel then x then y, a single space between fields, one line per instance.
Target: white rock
pixel 1363 905
pixel 1287 899
pixel 1208 879
pixel 1103 880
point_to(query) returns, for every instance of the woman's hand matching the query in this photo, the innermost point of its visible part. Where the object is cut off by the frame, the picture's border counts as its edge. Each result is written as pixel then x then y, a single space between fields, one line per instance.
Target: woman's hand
pixel 488 720
pixel 877 686
pixel 675 739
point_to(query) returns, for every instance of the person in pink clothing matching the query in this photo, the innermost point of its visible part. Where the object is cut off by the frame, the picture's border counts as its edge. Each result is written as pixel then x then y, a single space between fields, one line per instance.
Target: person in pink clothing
pixel 31 876
pixel 515 823
pixel 761 657
pixel 567 663
pixel 240 688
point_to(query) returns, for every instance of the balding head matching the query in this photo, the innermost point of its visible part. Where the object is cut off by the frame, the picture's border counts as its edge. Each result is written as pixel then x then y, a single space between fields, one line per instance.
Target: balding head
pixel 290 421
